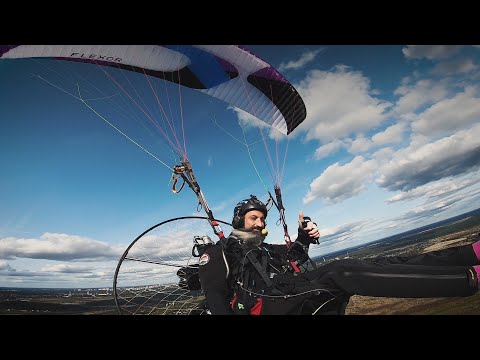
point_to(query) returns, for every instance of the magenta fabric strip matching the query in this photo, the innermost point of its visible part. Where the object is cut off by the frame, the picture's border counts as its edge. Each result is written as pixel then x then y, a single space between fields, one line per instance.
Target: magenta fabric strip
pixel 476 248
pixel 477 270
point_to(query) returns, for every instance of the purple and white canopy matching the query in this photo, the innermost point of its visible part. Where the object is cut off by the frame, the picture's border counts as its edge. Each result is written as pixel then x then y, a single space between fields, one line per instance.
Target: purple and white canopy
pixel 227 72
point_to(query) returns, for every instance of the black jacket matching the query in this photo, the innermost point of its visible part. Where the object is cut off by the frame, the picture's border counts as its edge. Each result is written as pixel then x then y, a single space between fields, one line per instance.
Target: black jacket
pixel 263 280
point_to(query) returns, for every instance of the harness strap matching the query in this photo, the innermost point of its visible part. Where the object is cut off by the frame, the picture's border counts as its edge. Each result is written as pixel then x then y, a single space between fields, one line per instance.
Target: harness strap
pixel 260 269
pixel 264 260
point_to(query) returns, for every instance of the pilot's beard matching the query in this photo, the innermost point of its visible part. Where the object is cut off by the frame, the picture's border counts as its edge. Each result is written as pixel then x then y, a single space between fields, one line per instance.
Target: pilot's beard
pixel 248 237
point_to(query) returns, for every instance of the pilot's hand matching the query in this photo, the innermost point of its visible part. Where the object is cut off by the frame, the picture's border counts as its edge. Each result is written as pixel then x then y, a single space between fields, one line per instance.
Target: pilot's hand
pixel 308 226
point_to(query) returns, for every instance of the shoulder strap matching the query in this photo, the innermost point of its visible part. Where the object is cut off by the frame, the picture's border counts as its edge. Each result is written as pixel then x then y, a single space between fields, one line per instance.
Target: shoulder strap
pixel 260 269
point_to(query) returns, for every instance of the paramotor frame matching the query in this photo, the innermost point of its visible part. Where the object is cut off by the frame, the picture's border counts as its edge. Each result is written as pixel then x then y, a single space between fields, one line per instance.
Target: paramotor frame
pixel 151 275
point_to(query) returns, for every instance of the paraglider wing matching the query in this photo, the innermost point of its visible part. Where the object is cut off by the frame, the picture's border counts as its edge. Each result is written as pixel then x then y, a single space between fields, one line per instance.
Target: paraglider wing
pixel 227 72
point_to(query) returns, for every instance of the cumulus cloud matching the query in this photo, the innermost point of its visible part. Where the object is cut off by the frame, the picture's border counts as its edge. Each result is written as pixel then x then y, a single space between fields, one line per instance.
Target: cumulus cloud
pixel 4 265
pixel 54 246
pixel 421 212
pixel 339 104
pixel 391 135
pixel 383 155
pixel 166 246
pixel 360 145
pixel 434 208
pixel 431 52
pixel 341 232
pixel 437 189
pixel 339 182
pixel 450 114
pixel 415 166
pixel 305 58
pixel 414 95
pixel 67 268
pixel 248 122
pixel 340 237
pixel 460 66
pixel 44 276
pixel 99 275
pixel 171 242
pixel 328 149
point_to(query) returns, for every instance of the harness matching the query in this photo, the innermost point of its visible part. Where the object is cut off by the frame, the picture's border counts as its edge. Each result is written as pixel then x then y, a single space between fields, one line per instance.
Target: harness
pixel 248 292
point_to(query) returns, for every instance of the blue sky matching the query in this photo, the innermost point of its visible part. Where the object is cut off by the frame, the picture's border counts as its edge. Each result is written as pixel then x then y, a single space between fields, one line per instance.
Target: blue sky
pixel 390 143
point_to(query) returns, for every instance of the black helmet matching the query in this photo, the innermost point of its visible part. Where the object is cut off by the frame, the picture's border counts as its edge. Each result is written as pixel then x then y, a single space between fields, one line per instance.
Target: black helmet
pixel 243 207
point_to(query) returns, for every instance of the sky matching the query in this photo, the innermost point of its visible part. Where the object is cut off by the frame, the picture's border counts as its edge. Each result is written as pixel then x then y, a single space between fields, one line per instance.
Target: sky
pixel 391 142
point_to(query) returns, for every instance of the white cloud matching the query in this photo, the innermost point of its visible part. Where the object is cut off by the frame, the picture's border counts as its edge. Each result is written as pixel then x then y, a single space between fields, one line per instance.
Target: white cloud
pixel 306 58
pixel 248 122
pixel 341 231
pixel 339 104
pixel 360 145
pixel 460 66
pixel 338 182
pixel 328 149
pixel 383 155
pixel 434 208
pixel 437 189
pixel 171 243
pixel 57 247
pixel 391 135
pixel 420 164
pixel 428 209
pixel 418 94
pixel 4 265
pixel 210 161
pixel 417 141
pixel 66 268
pixel 432 52
pixel 43 276
pixel 449 115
